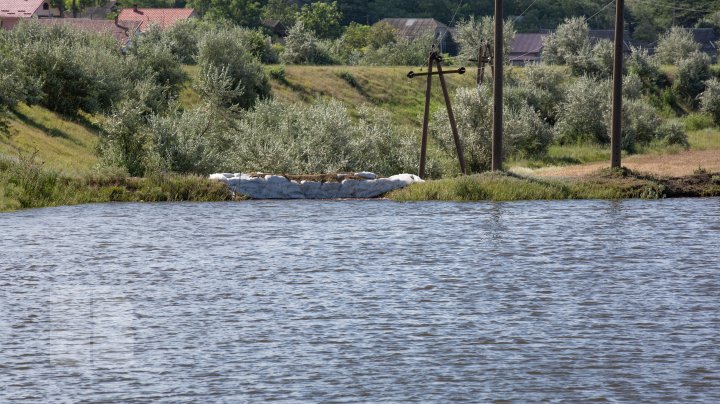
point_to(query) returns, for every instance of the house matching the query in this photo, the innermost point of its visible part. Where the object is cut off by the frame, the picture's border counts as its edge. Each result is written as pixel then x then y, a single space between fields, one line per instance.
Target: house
pixel 162 17
pixel 99 12
pixel 122 31
pixel 707 38
pixel 276 27
pixel 12 11
pixel 416 28
pixel 526 48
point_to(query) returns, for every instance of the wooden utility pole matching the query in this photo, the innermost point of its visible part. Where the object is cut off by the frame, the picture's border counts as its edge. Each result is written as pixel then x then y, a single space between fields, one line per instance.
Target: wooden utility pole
pixel 498 89
pixel 426 116
pixel 616 135
pixel 434 58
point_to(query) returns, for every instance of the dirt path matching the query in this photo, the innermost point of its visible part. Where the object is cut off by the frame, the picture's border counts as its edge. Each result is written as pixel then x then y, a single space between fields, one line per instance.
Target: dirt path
pixel 673 165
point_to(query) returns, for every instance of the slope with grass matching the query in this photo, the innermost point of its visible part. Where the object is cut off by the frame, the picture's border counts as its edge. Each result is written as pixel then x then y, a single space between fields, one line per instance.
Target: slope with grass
pixel 60 143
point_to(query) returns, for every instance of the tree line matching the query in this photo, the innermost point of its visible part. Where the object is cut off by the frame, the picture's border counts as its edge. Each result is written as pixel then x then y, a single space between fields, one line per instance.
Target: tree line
pixel 646 19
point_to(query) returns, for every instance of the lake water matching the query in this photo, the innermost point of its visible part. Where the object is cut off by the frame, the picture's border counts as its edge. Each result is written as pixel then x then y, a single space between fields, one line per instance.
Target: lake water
pixel 362 301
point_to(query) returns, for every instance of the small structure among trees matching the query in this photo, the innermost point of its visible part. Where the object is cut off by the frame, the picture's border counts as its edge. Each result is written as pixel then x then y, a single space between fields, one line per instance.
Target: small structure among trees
pixel 416 28
pixel 12 11
pixel 162 17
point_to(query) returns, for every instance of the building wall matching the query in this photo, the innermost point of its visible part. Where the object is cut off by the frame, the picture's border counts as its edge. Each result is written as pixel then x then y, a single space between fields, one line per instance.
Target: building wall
pixel 8 23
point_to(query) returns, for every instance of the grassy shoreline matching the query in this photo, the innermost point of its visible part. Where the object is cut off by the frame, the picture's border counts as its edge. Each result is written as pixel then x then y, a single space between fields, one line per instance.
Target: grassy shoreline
pixel 603 184
pixel 24 186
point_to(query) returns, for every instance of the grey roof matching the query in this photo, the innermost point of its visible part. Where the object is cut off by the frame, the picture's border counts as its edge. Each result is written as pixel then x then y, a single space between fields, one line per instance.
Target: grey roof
pixel 414 28
pixel 527 43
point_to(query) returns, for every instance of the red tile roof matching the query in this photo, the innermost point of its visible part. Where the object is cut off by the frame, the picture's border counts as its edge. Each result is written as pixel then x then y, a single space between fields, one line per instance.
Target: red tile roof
pixel 120 31
pixel 19 8
pixel 163 17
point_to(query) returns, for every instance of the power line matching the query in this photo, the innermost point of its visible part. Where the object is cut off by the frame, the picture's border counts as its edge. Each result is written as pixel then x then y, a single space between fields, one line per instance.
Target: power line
pixel 526 9
pixel 585 20
pixel 670 6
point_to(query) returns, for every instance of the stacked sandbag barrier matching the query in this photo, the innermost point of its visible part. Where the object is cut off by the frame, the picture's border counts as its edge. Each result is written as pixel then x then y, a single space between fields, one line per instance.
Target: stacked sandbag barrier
pixel 358 185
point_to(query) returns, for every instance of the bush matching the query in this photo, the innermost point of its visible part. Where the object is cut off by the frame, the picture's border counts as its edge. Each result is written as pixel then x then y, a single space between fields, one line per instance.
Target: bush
pixel 675 45
pixel 581 117
pixel 278 73
pixel 474 33
pixel 303 47
pixel 567 42
pixel 692 74
pixel 595 60
pixel 257 44
pixel 74 69
pixel 402 52
pixel 155 59
pixel 525 133
pixel 182 38
pixel 673 134
pixel 189 142
pixel 632 87
pixel 640 124
pixel 123 139
pixel 276 137
pixel 697 121
pixel 220 51
pixel 644 66
pixel 710 100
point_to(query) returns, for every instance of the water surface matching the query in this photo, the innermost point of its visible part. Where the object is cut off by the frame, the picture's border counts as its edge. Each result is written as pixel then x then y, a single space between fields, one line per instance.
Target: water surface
pixel 362 301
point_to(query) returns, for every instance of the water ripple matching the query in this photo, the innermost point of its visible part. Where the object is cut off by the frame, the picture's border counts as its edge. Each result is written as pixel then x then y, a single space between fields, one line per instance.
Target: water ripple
pixel 362 301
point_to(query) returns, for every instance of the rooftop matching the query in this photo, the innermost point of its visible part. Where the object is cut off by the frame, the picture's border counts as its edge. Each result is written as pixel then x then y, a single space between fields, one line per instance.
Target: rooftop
pixel 19 8
pixel 163 17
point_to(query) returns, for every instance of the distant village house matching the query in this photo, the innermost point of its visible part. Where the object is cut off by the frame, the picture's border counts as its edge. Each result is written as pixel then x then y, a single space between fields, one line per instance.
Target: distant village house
pixel 12 11
pixel 122 31
pixel 162 17
pixel 416 28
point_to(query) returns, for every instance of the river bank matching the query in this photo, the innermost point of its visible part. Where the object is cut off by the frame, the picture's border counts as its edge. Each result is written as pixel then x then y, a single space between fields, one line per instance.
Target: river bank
pixel 26 185
pixel 603 184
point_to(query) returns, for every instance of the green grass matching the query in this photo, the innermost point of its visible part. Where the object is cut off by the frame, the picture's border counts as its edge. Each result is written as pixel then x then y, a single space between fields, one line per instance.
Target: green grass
pixel 63 145
pixel 385 87
pixel 25 183
pixel 606 184
pixel 705 139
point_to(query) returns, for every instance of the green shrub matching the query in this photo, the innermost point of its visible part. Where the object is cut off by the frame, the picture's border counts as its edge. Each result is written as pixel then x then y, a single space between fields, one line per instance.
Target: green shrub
pixel 644 66
pixel 472 34
pixel 696 121
pixel 710 99
pixel 402 52
pixel 632 87
pixel 190 142
pixel 278 73
pixel 581 117
pixel 673 134
pixel 124 141
pixel 74 69
pixel 291 138
pixel 525 133
pixel 692 74
pixel 220 51
pixel 675 45
pixel 595 60
pixel 303 47
pixel 182 39
pixel 640 124
pixel 156 60
pixel 569 40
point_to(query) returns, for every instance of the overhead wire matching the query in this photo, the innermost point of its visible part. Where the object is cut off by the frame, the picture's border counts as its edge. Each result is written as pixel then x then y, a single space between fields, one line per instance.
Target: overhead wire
pixel 585 20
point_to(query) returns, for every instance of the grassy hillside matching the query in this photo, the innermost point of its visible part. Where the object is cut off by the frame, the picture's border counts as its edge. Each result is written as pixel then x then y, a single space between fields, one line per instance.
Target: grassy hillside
pixel 385 87
pixel 69 146
pixel 61 144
